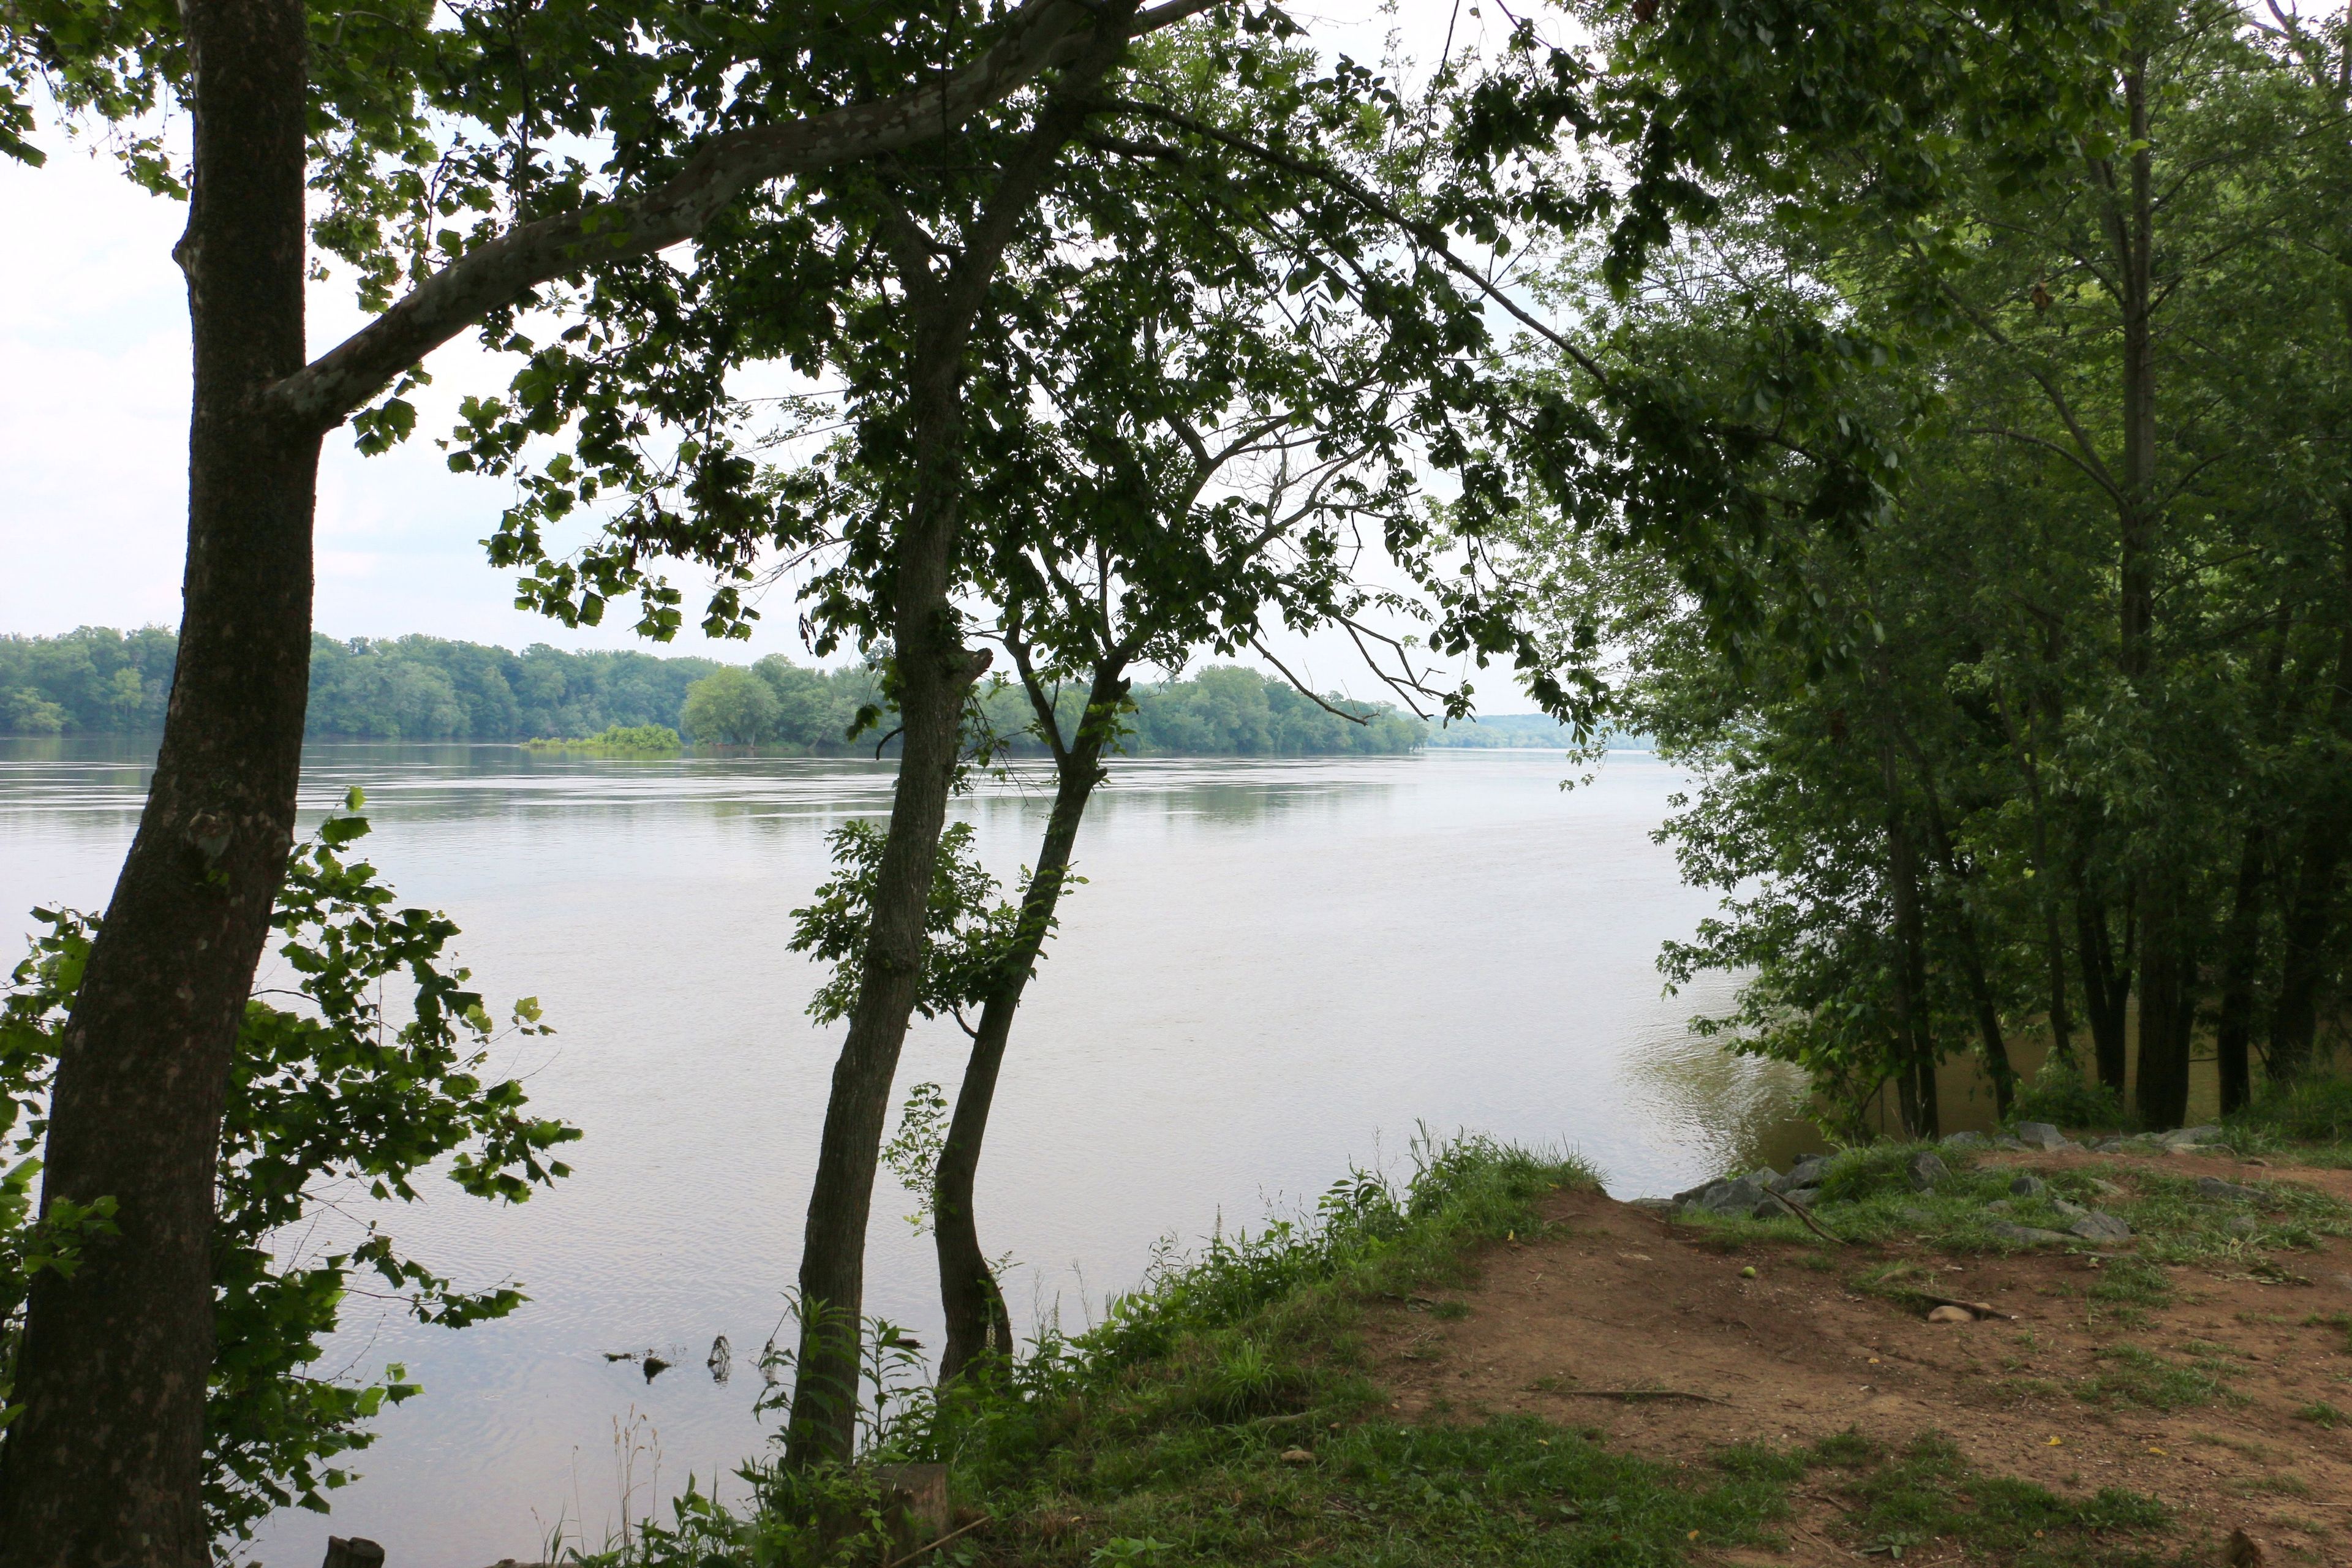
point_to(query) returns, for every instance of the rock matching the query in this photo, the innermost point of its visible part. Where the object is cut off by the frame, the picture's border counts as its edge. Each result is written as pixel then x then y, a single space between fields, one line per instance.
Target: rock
pixel 1739 1197
pixel 1805 1173
pixel 2067 1210
pixel 2042 1135
pixel 1951 1315
pixel 2109 1145
pixel 2001 1205
pixel 2025 1235
pixel 1652 1205
pixel 2005 1141
pixel 2227 1192
pixel 1296 1456
pixel 2242 1552
pixel 1924 1171
pixel 2098 1226
pixel 2029 1186
pixel 1803 1197
pixel 2107 1189
pixel 1965 1141
pixel 2242 1225
pixel 2184 1136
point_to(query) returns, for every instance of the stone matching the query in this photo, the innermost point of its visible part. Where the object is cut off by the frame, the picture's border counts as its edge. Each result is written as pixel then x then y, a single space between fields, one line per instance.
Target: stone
pixel 1965 1141
pixel 2109 1145
pixel 1951 1315
pixel 1924 1171
pixel 2042 1135
pixel 2107 1189
pixel 1652 1205
pixel 2242 1225
pixel 2005 1141
pixel 2227 1192
pixel 2025 1235
pixel 2001 1206
pixel 2096 1224
pixel 1803 1197
pixel 1805 1173
pixel 2029 1186
pixel 2068 1210
pixel 1739 1197
pixel 2181 1136
pixel 1296 1456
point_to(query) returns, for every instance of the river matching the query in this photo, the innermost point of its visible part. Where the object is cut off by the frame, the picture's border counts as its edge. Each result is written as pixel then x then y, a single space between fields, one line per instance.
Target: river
pixel 1275 970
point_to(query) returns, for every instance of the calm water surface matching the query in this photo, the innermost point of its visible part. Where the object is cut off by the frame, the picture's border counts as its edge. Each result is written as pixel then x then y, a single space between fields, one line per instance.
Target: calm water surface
pixel 1276 969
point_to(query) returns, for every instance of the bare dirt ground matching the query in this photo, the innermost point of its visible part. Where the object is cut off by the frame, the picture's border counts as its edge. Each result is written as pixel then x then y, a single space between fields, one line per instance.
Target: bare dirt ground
pixel 1613 1299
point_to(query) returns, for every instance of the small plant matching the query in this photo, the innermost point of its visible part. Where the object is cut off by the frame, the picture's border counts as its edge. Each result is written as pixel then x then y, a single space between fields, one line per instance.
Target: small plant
pixel 2322 1413
pixel 2059 1094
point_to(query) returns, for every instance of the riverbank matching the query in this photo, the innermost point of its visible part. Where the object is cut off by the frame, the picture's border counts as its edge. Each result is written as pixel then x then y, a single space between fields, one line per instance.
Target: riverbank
pixel 1500 1364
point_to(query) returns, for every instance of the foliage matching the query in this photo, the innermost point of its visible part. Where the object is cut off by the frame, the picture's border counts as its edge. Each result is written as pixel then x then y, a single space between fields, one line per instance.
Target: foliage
pixel 2062 1096
pixel 2066 722
pixel 965 930
pixel 635 739
pixel 330 1102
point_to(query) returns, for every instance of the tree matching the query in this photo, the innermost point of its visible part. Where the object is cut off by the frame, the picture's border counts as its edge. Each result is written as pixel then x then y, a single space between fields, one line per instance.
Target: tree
pixel 104 1462
pixel 327 1099
pixel 731 706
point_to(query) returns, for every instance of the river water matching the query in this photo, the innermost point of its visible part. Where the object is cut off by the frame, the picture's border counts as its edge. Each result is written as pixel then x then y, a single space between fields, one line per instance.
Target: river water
pixel 1276 969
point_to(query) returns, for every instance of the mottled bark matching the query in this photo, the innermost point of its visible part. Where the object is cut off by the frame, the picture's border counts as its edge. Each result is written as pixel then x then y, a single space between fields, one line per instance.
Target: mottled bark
pixel 1921 1108
pixel 104 1465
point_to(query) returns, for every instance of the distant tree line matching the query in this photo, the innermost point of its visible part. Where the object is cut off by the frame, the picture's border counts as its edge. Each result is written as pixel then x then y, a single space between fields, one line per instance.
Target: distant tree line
pixel 96 680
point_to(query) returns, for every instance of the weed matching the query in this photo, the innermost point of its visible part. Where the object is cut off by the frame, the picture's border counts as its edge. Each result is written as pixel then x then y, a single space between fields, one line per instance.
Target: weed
pixel 2323 1413
pixel 2131 1375
pixel 1450 1312
pixel 1929 1493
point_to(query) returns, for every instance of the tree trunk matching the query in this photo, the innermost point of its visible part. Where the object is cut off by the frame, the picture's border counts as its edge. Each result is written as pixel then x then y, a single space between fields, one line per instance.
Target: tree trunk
pixel 2107 985
pixel 2167 1008
pixel 1911 964
pixel 935 671
pixel 2242 939
pixel 105 1464
pixel 977 1322
pixel 2309 916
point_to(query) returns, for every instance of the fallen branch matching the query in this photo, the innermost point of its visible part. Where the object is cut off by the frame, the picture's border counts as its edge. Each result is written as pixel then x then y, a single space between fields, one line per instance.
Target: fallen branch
pixel 1632 1395
pixel 934 1546
pixel 1810 1223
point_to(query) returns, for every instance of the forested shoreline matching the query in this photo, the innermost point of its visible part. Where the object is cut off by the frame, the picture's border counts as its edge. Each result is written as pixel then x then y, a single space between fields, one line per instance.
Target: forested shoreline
pixel 96 680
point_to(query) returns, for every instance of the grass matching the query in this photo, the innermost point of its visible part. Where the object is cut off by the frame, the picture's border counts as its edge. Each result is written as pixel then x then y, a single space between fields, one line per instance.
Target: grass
pixel 1927 1494
pixel 2130 1375
pixel 1866 1197
pixel 1218 1417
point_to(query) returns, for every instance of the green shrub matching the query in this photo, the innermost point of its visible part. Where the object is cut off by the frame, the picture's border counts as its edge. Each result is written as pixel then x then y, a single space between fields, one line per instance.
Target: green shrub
pixel 2059 1095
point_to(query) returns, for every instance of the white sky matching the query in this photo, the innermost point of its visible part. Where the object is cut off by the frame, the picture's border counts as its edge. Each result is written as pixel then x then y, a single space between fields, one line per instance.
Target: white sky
pixel 93 424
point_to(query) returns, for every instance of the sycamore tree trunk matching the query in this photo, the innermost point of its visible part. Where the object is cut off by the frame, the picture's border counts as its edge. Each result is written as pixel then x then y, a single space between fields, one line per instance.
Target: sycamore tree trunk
pixel 977 1322
pixel 1911 1006
pixel 104 1465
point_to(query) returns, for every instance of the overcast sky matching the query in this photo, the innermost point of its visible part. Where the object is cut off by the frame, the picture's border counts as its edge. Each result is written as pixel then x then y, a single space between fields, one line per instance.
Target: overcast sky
pixel 93 416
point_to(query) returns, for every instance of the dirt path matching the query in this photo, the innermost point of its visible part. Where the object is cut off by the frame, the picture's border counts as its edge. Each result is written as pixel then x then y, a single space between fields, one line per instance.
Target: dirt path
pixel 1614 1299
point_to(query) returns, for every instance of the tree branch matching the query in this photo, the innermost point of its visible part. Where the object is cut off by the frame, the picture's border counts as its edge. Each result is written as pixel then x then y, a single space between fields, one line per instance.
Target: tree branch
pixel 1041 35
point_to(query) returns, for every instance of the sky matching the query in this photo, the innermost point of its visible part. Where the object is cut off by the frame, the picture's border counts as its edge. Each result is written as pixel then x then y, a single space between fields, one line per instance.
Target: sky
pixel 93 429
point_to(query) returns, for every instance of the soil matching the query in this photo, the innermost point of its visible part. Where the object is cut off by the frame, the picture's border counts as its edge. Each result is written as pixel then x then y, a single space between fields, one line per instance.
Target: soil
pixel 1613 1299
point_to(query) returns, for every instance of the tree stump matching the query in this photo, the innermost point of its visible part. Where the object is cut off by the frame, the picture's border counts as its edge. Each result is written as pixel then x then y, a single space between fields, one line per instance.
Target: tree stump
pixel 355 1553
pixel 915 1502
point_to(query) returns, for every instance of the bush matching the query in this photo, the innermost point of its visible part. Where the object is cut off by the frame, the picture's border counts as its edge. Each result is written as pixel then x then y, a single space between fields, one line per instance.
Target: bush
pixel 2059 1095
pixel 2309 1110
